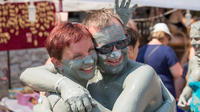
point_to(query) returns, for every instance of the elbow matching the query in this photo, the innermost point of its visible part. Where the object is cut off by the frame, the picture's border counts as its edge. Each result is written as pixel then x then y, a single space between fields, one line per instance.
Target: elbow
pixel 176 71
pixel 25 75
pixel 171 103
pixel 177 74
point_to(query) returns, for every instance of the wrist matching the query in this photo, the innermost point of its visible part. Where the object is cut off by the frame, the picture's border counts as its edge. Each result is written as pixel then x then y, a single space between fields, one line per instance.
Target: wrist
pixel 59 84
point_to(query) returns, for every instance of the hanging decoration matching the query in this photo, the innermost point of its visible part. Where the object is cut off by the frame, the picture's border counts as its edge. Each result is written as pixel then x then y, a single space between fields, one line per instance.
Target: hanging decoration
pixel 31 11
pixel 16 29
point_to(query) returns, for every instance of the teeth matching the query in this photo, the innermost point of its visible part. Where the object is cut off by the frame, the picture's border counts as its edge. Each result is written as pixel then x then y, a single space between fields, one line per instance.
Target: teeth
pixel 114 61
pixel 88 68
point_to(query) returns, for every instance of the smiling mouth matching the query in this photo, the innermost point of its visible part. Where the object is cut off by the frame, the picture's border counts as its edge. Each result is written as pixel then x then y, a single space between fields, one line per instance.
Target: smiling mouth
pixel 115 62
pixel 87 70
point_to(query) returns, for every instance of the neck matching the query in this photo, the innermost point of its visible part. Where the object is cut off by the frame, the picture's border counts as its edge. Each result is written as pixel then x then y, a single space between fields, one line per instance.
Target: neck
pixel 79 81
pixel 110 77
pixel 154 42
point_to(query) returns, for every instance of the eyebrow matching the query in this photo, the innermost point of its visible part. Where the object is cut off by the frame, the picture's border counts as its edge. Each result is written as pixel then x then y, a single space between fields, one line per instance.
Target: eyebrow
pixel 77 55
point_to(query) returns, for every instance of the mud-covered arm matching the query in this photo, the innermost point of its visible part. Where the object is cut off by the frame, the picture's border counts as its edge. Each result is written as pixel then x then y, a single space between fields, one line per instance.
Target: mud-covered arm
pixel 194 72
pixel 42 78
pixel 45 78
pixel 140 88
pixel 183 99
pixel 169 102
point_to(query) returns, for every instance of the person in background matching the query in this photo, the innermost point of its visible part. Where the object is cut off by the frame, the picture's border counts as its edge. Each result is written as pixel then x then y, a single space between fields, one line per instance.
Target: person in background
pixel 193 86
pixel 134 44
pixel 161 57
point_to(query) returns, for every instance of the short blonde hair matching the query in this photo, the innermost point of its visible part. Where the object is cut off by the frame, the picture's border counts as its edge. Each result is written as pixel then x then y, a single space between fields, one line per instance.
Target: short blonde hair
pixel 100 18
pixel 160 35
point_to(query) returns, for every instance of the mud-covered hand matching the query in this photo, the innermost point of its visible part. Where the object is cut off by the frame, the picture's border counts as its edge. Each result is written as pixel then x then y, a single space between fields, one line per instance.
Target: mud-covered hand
pixel 124 11
pixel 76 96
pixel 43 106
pixel 182 103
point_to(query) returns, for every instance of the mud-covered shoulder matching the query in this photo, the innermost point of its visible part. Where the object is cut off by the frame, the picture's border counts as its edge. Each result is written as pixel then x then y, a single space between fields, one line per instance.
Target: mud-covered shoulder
pixel 139 71
pixel 133 65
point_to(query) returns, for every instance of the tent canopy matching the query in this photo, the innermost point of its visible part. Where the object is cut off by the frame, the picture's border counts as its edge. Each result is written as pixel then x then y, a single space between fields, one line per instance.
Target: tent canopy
pixel 76 5
pixel 83 5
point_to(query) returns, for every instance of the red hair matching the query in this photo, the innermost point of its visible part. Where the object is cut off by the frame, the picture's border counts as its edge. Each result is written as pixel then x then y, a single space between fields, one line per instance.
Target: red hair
pixel 63 35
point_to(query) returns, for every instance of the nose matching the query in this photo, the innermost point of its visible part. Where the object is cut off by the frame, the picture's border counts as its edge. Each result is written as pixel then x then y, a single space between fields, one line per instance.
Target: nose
pixel 114 49
pixel 89 60
pixel 116 54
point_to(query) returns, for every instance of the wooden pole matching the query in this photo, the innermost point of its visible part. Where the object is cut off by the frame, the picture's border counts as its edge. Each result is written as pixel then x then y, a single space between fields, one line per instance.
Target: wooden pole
pixel 8 70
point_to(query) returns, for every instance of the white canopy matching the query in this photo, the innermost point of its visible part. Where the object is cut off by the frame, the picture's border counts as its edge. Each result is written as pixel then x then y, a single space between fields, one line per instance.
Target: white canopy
pixel 76 5
pixel 82 5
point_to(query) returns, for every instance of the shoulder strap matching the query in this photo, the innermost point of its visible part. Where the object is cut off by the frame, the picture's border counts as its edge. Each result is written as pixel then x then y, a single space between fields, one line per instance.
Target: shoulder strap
pixel 146 59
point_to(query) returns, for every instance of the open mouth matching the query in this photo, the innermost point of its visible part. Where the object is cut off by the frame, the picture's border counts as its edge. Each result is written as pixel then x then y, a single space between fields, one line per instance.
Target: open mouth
pixel 115 62
pixel 87 70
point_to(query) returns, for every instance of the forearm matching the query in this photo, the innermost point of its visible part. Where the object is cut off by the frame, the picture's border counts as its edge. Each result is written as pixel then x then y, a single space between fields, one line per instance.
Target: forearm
pixel 179 84
pixel 169 102
pixel 138 95
pixel 59 105
pixel 187 92
pixel 40 78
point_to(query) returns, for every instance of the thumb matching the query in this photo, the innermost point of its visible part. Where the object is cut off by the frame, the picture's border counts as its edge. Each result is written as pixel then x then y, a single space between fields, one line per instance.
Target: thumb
pixel 133 8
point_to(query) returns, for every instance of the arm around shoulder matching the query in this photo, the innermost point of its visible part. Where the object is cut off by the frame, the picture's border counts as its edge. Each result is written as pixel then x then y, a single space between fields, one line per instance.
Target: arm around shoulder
pixel 42 78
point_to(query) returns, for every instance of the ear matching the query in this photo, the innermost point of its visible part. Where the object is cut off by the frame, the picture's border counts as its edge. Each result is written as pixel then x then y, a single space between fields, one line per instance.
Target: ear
pixel 55 61
pixel 130 48
pixel 93 29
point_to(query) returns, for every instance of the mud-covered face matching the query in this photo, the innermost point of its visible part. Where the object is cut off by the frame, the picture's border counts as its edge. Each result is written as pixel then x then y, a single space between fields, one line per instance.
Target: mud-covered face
pixel 111 39
pixel 196 45
pixel 79 60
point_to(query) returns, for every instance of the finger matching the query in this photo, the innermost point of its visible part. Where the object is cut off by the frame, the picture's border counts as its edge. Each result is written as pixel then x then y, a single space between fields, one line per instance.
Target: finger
pixel 116 4
pixel 122 4
pixel 133 8
pixel 73 106
pixel 127 4
pixel 184 101
pixel 94 104
pixel 87 104
pixel 68 107
pixel 92 101
pixel 80 106
pixel 180 104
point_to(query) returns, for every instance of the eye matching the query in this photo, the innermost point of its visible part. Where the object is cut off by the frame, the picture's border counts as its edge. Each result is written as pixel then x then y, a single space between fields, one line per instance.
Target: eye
pixel 77 56
pixel 91 50
pixel 107 47
pixel 122 44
